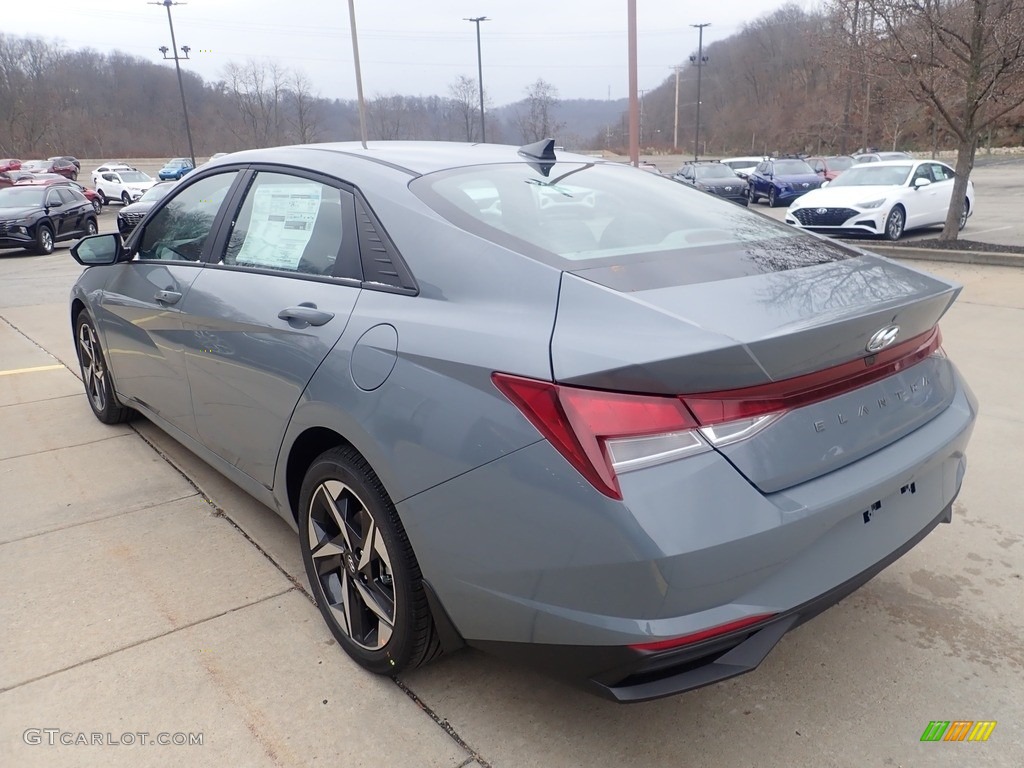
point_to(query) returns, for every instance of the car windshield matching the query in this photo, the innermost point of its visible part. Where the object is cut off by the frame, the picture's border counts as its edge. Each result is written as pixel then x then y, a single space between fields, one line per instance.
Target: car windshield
pixel 134 176
pixel 869 175
pixel 715 171
pixel 589 212
pixel 159 192
pixel 792 167
pixel 19 197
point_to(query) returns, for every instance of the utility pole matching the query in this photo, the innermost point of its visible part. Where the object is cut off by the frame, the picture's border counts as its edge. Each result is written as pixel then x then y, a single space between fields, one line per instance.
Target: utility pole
pixel 675 120
pixel 480 76
pixel 634 107
pixel 641 121
pixel 700 60
pixel 359 72
pixel 181 86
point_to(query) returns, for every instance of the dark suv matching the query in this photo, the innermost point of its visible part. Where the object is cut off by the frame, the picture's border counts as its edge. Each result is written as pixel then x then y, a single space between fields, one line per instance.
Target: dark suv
pixel 35 217
pixel 714 177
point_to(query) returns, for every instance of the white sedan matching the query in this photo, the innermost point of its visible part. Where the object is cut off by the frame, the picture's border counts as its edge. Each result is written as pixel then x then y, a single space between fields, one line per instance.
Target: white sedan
pixel 885 198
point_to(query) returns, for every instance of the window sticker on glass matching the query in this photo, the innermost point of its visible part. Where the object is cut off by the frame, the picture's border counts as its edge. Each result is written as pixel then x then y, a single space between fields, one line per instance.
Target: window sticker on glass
pixel 281 226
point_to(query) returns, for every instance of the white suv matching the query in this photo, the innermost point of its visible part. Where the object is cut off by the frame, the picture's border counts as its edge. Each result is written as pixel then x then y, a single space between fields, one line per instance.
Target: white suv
pixel 124 184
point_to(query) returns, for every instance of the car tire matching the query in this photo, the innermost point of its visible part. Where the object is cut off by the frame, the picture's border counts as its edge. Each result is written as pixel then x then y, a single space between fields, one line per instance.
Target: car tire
pixel 97 205
pixel 44 240
pixel 751 197
pixel 773 201
pixel 74 176
pixel 964 214
pixel 95 377
pixel 90 227
pixel 103 198
pixel 894 223
pixel 126 199
pixel 361 567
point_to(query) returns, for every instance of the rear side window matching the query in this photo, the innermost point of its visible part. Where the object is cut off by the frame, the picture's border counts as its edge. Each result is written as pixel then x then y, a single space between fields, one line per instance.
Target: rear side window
pixel 288 223
pixel 180 229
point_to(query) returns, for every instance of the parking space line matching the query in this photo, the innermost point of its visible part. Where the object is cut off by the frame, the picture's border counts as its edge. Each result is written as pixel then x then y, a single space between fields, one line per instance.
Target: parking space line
pixel 994 229
pixel 14 371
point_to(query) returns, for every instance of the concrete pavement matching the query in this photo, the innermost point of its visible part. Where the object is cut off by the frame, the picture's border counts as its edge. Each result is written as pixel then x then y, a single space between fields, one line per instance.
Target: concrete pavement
pixel 143 593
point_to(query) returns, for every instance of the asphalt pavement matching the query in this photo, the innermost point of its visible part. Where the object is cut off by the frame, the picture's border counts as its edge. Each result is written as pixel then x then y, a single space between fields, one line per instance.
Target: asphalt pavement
pixel 145 598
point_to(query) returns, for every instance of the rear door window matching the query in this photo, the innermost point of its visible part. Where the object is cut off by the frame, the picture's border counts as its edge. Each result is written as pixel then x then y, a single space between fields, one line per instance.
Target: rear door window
pixel 290 224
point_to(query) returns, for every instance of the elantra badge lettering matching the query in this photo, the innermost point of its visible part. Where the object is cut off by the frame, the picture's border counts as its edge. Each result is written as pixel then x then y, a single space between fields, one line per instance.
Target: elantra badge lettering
pixel 882 338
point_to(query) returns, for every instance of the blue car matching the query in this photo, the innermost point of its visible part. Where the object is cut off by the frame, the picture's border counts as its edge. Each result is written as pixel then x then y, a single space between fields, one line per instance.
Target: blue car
pixel 781 181
pixel 175 168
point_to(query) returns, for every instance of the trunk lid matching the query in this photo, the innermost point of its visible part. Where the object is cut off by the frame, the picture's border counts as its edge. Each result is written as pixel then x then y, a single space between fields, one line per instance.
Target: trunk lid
pixel 677 328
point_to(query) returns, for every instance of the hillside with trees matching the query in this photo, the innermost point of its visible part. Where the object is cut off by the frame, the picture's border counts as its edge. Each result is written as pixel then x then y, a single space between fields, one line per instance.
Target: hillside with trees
pixel 908 74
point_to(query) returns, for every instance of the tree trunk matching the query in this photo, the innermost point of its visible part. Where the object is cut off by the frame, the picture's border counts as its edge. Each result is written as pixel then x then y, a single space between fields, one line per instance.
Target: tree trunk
pixel 964 165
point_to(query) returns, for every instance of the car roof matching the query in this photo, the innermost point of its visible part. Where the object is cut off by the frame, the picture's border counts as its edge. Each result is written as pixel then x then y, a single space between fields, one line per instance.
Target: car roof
pixel 412 157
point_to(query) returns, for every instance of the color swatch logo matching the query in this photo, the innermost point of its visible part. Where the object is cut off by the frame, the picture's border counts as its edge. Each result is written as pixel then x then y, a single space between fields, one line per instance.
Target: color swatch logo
pixel 958 730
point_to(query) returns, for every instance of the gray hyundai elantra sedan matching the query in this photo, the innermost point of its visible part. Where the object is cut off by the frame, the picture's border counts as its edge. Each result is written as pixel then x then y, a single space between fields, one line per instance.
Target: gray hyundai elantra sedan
pixel 556 408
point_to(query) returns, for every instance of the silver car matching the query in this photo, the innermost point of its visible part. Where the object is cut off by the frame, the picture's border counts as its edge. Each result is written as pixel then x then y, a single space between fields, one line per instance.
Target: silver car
pixel 547 406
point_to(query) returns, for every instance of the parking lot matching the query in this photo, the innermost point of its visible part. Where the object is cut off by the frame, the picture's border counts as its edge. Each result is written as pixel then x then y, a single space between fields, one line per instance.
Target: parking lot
pixel 143 593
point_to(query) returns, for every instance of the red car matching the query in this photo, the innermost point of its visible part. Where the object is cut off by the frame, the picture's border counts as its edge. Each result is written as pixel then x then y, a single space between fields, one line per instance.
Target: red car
pixel 53 180
pixel 60 166
pixel 9 164
pixel 830 167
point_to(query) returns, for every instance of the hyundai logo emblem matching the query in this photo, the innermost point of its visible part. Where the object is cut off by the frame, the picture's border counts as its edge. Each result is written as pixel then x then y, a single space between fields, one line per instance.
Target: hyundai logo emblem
pixel 806 184
pixel 822 211
pixel 882 338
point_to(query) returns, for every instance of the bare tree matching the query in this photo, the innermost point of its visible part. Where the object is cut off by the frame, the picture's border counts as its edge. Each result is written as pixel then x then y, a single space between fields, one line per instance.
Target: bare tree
pixel 305 115
pixel 965 59
pixel 464 109
pixel 538 122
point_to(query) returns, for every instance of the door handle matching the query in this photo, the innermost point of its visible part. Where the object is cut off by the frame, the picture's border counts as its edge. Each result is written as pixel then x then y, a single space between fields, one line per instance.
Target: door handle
pixel 167 297
pixel 306 312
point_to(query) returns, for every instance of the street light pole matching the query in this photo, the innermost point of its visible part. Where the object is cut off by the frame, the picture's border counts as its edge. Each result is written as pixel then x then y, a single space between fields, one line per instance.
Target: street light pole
pixel 700 60
pixel 181 86
pixel 480 76
pixel 675 119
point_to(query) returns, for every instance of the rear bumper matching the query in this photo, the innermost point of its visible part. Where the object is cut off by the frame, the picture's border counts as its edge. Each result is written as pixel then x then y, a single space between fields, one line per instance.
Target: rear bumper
pixel 627 675
pixel 549 572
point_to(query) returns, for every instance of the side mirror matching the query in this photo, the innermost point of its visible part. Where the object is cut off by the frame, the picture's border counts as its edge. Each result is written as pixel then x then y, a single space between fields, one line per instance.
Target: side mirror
pixel 918 183
pixel 97 250
pixel 54 204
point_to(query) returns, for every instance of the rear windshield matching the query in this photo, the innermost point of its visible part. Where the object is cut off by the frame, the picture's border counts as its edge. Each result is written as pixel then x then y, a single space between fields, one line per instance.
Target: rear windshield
pixel 840 163
pixel 585 215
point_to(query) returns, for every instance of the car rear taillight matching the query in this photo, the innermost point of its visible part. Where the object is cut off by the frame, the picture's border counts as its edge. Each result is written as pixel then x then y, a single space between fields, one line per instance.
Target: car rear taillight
pixel 604 433
pixel 601 433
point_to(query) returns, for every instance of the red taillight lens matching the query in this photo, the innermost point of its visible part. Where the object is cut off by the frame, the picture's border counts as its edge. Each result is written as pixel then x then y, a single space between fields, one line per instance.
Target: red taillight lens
pixel 580 422
pixel 601 433
pixel 704 634
pixel 734 404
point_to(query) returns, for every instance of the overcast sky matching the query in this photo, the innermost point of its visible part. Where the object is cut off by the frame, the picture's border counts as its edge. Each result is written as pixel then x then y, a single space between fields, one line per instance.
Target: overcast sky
pixel 406 46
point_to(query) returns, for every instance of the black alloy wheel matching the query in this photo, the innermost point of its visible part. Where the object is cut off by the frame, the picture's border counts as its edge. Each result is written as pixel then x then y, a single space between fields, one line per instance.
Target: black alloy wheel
pixel 98 390
pixel 773 201
pixel 361 567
